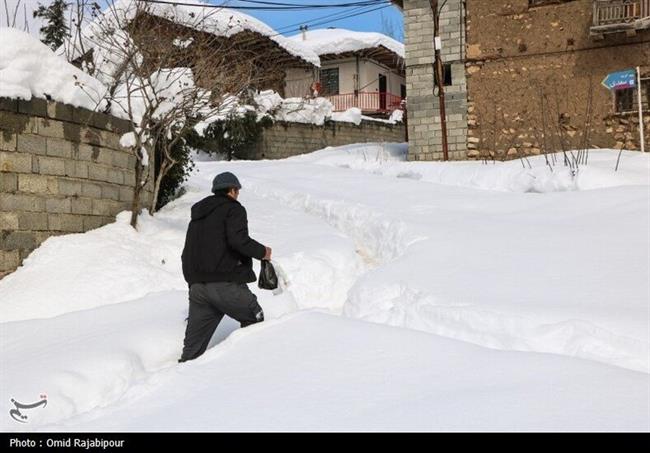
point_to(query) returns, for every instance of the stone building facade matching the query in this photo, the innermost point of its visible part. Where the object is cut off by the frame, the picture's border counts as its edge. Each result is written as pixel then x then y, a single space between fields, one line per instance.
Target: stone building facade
pixel 532 72
pixel 284 139
pixel 62 171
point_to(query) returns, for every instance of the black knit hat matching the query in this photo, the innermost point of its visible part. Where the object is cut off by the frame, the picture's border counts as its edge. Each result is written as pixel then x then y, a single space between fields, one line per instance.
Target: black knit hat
pixel 225 180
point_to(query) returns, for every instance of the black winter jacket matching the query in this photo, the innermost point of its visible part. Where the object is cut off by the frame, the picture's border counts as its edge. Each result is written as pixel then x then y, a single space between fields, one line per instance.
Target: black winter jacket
pixel 217 245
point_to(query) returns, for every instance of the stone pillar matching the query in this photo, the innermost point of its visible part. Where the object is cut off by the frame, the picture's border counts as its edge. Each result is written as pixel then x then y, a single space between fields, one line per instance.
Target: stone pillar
pixel 425 138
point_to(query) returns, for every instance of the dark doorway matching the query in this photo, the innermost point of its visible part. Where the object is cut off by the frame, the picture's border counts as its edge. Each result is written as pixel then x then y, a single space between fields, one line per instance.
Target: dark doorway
pixel 382 92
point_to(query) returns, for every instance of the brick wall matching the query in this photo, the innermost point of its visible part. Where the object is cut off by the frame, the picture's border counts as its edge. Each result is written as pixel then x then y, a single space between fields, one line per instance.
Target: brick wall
pixel 62 171
pixel 290 139
pixel 425 137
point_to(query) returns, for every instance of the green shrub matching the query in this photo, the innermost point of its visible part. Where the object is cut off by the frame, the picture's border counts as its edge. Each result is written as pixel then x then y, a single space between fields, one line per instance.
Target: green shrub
pixel 235 135
pixel 231 137
pixel 177 175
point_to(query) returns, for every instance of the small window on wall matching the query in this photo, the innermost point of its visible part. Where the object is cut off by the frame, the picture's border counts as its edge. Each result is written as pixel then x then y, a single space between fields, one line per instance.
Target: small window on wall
pixel 624 100
pixel 533 3
pixel 446 75
pixel 627 101
pixel 329 81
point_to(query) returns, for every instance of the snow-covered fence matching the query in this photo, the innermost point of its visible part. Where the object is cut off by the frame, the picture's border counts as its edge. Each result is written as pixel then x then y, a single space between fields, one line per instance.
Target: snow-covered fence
pixel 62 170
pixel 286 139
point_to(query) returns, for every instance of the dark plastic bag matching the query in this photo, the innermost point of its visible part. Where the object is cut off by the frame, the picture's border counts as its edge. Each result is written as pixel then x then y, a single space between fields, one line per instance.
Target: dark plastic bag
pixel 268 278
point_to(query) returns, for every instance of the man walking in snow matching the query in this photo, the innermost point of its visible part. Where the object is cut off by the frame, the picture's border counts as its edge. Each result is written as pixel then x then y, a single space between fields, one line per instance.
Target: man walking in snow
pixel 217 265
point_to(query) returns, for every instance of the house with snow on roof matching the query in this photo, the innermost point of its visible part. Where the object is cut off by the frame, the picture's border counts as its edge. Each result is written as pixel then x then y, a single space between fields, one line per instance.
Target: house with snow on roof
pixel 183 29
pixel 358 69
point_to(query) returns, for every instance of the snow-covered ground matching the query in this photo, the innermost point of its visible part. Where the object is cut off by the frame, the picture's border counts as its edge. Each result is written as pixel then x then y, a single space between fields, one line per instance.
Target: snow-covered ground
pixel 499 298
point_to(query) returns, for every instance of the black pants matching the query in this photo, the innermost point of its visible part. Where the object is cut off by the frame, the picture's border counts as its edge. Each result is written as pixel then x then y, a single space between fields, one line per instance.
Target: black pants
pixel 208 303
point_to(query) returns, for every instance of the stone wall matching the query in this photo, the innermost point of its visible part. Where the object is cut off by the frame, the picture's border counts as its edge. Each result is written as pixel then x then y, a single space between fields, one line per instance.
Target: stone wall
pixel 425 137
pixel 62 171
pixel 523 60
pixel 290 139
pixel 623 130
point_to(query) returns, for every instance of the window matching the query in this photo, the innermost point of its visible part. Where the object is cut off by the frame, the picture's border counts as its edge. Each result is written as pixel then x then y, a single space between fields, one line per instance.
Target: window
pixel 533 3
pixel 329 80
pixel 624 100
pixel 447 75
pixel 446 71
pixel 627 101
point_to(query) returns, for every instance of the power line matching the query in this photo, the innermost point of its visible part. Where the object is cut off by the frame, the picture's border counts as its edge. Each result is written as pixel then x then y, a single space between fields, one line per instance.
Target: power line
pixel 333 17
pixel 297 26
pixel 332 5
pixel 342 15
pixel 351 15
pixel 357 10
pixel 277 6
pixel 322 20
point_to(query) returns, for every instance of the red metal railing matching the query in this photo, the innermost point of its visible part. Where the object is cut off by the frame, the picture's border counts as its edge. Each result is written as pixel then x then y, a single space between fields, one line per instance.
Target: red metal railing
pixel 366 101
pixel 612 12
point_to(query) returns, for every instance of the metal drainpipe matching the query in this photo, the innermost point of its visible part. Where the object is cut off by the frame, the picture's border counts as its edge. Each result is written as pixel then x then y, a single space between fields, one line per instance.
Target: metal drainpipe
pixel 357 82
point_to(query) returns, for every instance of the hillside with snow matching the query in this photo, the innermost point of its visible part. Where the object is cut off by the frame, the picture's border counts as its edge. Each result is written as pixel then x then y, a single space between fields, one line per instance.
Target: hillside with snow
pixel 414 296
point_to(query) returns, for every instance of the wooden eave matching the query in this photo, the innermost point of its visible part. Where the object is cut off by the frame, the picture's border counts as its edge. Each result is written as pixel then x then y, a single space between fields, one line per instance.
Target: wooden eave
pixel 380 54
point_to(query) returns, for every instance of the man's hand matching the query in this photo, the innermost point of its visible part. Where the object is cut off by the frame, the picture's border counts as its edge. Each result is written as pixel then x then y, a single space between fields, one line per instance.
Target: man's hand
pixel 267 257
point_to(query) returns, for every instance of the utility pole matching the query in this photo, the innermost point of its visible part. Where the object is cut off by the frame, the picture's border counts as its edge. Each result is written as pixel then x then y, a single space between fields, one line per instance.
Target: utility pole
pixel 640 96
pixel 439 75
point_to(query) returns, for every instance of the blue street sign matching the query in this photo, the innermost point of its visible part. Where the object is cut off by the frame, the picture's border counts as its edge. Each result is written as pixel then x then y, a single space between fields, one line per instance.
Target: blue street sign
pixel 620 80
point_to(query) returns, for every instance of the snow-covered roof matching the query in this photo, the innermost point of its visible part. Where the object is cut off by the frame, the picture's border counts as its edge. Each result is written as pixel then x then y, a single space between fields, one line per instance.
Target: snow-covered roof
pixel 218 21
pixel 28 68
pixel 339 40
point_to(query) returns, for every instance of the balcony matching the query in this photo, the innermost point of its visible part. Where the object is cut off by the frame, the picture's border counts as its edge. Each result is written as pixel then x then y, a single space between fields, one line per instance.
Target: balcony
pixel 616 16
pixel 370 103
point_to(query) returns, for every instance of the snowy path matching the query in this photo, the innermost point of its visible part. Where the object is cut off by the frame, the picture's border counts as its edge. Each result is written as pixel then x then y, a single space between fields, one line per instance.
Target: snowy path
pixel 118 339
pixel 508 285
pixel 383 241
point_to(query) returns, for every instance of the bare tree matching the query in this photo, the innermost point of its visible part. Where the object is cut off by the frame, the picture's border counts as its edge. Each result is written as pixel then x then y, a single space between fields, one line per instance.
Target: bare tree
pixel 82 13
pixel 166 75
pixel 583 153
pixel 11 15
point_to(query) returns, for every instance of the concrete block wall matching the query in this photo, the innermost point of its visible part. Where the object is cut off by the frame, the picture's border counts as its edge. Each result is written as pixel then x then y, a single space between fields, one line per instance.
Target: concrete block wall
pixel 62 171
pixel 284 139
pixel 425 136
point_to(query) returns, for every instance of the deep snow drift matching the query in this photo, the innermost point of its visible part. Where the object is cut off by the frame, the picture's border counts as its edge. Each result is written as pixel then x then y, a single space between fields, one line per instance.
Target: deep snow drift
pixel 520 261
pixel 308 371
